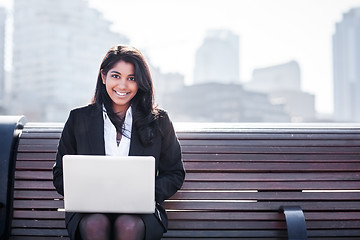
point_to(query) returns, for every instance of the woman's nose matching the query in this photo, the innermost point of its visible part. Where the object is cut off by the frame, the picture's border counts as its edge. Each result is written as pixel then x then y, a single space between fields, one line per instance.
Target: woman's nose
pixel 122 83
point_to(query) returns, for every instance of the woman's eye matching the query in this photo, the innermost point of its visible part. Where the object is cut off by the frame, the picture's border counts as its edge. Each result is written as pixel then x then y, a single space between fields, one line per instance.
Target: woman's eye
pixel 115 76
pixel 132 78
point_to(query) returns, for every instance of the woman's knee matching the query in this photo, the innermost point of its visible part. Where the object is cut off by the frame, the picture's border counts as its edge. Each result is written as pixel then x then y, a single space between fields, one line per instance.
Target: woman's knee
pixel 95 225
pixel 129 227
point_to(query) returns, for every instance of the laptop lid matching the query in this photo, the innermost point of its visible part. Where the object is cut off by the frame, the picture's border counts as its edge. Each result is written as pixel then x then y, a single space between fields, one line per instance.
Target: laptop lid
pixel 109 184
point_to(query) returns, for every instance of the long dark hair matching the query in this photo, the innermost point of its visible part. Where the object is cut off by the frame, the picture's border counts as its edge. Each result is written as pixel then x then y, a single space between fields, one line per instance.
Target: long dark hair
pixel 144 110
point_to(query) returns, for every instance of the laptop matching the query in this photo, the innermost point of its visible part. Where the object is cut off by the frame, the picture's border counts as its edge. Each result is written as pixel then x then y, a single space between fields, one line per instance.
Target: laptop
pixel 109 184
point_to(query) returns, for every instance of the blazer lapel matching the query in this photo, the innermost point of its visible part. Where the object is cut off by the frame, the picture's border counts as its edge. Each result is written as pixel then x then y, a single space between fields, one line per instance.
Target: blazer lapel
pixel 96 131
pixel 136 148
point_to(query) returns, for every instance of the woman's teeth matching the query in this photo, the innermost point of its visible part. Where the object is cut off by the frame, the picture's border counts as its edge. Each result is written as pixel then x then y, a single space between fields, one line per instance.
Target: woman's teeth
pixel 119 93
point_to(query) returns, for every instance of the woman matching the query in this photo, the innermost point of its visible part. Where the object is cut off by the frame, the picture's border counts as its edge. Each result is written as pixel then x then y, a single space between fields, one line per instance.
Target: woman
pixel 122 120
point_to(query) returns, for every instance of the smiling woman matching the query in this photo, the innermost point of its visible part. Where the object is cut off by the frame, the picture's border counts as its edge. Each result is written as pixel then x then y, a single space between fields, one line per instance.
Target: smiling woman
pixel 122 121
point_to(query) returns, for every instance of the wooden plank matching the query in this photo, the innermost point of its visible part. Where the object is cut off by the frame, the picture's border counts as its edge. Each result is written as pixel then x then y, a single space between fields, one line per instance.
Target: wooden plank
pixel 37 156
pixel 38 141
pixel 210 185
pixel 38 224
pixel 226 225
pixel 244 234
pixel 273 167
pixel 34 175
pixel 260 216
pixel 230 216
pixel 273 143
pixel 274 157
pixel 33 185
pixel 37 148
pixel 271 186
pixel 270 136
pixel 38 204
pixel 269 149
pixel 261 206
pixel 46 164
pixel 38 238
pixel 39 135
pixel 34 194
pixel 38 214
pixel 340 233
pixel 273 176
pixel 334 224
pixel 39 232
pixel 335 216
pixel 265 196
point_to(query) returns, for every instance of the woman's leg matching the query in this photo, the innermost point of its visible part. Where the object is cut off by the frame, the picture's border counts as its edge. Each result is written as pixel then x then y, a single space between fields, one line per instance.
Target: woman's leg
pixel 129 227
pixel 95 227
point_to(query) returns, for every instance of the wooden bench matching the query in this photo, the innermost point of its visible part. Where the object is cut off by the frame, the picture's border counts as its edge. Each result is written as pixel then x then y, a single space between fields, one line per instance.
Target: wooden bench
pixel 239 177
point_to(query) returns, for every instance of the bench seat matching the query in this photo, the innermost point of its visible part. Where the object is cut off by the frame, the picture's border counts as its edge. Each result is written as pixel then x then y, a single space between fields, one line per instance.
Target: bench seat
pixel 239 177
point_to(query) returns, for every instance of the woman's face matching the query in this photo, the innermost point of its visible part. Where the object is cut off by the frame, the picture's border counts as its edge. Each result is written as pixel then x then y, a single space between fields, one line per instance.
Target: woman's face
pixel 121 85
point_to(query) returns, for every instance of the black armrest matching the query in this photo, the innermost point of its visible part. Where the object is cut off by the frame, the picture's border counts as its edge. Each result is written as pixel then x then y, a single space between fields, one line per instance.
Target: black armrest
pixel 295 222
pixel 10 127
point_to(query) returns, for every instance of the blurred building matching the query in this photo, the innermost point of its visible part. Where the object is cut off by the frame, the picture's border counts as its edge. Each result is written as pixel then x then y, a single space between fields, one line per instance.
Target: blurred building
pixel 2 60
pixel 346 65
pixel 282 83
pixel 217 59
pixel 57 50
pixel 165 83
pixel 216 102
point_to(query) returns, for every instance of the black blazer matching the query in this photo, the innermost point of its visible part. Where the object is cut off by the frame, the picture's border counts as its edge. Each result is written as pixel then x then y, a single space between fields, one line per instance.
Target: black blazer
pixel 83 134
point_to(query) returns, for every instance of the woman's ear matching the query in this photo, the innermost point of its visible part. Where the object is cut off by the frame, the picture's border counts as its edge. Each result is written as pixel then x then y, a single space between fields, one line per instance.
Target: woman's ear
pixel 103 76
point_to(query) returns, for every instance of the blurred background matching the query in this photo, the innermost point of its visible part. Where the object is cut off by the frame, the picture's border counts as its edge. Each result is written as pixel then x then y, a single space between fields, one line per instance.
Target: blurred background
pixel 211 60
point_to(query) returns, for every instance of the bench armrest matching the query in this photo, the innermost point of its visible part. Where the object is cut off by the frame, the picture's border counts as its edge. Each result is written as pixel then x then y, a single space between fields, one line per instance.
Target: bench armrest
pixel 10 127
pixel 295 222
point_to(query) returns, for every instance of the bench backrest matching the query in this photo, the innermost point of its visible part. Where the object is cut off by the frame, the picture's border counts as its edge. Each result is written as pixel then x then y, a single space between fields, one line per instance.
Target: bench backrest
pixel 238 178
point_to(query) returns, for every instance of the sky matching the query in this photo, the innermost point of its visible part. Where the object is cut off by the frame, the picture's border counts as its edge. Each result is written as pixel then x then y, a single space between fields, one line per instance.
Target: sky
pixel 271 32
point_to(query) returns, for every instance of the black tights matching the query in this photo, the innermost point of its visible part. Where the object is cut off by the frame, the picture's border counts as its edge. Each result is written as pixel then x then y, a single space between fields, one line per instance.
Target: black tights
pixel 99 226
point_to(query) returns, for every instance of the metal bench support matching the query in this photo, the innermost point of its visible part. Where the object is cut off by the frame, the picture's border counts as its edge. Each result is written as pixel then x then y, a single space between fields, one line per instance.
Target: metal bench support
pixel 295 222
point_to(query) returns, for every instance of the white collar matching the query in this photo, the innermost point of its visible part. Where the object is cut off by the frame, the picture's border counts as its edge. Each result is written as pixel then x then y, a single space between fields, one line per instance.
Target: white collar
pixel 111 147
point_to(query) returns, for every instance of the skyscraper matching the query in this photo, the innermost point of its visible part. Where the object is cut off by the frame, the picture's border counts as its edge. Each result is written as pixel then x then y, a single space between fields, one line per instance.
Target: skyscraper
pixel 2 58
pixel 58 48
pixel 217 59
pixel 346 62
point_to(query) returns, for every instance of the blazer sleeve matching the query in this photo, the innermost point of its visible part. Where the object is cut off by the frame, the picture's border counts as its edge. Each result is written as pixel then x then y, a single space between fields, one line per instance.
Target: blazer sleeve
pixel 171 172
pixel 67 145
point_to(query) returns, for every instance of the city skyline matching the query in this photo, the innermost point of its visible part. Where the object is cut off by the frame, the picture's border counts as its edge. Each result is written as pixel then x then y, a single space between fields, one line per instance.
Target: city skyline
pixel 261 24
pixel 178 42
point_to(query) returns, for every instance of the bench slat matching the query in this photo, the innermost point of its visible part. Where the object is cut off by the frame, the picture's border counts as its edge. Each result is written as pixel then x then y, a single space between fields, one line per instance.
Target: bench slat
pixel 38 204
pixel 261 216
pixel 37 214
pixel 44 194
pixel 226 225
pixel 39 232
pixel 261 206
pixel 38 238
pixel 210 185
pixel 273 167
pixel 38 224
pixel 274 157
pixel 244 234
pixel 287 186
pixel 324 176
pixel 266 143
pixel 267 196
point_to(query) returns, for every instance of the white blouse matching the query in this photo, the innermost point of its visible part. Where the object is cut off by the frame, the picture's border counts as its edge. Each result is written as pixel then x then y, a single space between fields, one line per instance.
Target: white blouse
pixel 111 147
